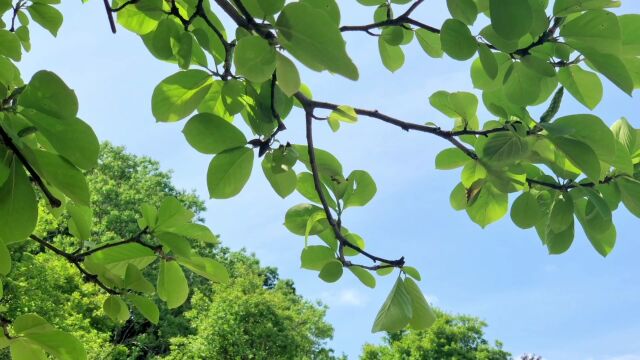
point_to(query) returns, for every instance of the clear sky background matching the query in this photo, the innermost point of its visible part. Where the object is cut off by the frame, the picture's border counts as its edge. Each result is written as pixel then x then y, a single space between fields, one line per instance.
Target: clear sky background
pixel 574 306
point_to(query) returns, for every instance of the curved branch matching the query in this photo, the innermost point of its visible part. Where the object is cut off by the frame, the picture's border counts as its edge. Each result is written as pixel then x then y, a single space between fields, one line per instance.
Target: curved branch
pixel 327 210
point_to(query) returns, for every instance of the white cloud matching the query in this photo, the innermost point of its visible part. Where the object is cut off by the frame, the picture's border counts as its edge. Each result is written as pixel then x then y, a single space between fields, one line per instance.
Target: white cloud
pixel 344 297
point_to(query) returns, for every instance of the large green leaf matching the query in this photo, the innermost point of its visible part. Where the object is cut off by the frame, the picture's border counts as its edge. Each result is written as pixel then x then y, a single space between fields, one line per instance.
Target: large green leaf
pixel 451 158
pixel 612 67
pixel 70 137
pixel 135 280
pixel 47 16
pixel 490 206
pixel 397 310
pixel 511 19
pixel 625 134
pixel 422 314
pixel 587 128
pixel 463 10
pixel 116 309
pixel 525 211
pixel 142 17
pixel 331 271
pixel 146 307
pixel 179 95
pixel 48 94
pixel 566 7
pixel 288 75
pixel 316 256
pixel 522 86
pixel 207 268
pixel 228 172
pixel 63 175
pixel 504 147
pixel 630 191
pixel 172 284
pixel 297 217
pixel 595 29
pixel 254 58
pixel 580 154
pixel 312 37
pixel 364 276
pixel 584 85
pixel 392 56
pixel 430 42
pixel 457 40
pixel 18 206
pixel 364 188
pixel 5 259
pixel 211 134
pixel 282 182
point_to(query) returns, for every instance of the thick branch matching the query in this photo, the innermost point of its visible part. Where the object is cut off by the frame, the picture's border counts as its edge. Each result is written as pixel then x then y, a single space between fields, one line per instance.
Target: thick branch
pixel 6 139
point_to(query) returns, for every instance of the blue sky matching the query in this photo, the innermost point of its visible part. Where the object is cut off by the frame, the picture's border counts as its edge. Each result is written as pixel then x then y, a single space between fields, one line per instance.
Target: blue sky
pixel 573 306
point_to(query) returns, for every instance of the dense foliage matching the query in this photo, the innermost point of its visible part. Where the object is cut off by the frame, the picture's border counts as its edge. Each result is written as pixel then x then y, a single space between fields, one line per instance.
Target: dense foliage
pixel 450 337
pixel 255 308
pixel 530 52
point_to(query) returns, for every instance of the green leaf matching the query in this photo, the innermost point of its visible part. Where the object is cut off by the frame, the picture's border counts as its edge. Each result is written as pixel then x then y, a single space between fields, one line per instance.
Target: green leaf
pixel 70 137
pixel 297 217
pixel 140 18
pixel 580 154
pixel 490 206
pixel 23 349
pixel 594 29
pixel 457 40
pixel 81 220
pixel 48 94
pixel 10 45
pixel 630 26
pixel 422 315
pixel 255 59
pixel 504 147
pixel 451 158
pixel 363 191
pixel 558 243
pixel 313 38
pixel 396 312
pixel 228 172
pixel 207 268
pixel 284 182
pixel 587 128
pixel 364 276
pixel 63 175
pixel 47 16
pixel 179 95
pixel 488 61
pixel 232 95
pixel 59 344
pixel 566 7
pixel 539 65
pixel 458 197
pixel 584 85
pixel 472 172
pixel 343 113
pixel 146 307
pixel 171 214
pixel 316 256
pixel 463 10
pixel 172 285
pixel 288 75
pixel 525 211
pixel 313 219
pixel 117 258
pixel 511 19
pixel 306 187
pixel 612 67
pixel 327 164
pixel 561 214
pixel 392 35
pixel 430 42
pixel 135 280
pixel 18 206
pixel 116 309
pixel 630 192
pixel 331 271
pixel 211 134
pixel 182 47
pixel 384 271
pixel 5 260
pixel 625 134
pixel 392 56
pixel 413 272
pixel 522 86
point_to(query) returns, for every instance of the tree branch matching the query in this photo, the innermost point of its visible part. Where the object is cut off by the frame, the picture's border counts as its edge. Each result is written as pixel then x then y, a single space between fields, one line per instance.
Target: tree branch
pixel 327 210
pixel 6 139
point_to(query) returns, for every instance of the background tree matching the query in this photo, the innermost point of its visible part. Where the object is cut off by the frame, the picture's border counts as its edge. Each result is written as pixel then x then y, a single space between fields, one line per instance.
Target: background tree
pixel 450 337
pixel 267 309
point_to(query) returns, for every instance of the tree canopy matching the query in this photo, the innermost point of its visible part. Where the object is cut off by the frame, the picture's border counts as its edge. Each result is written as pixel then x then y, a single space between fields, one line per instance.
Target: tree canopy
pixel 266 309
pixel 525 53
